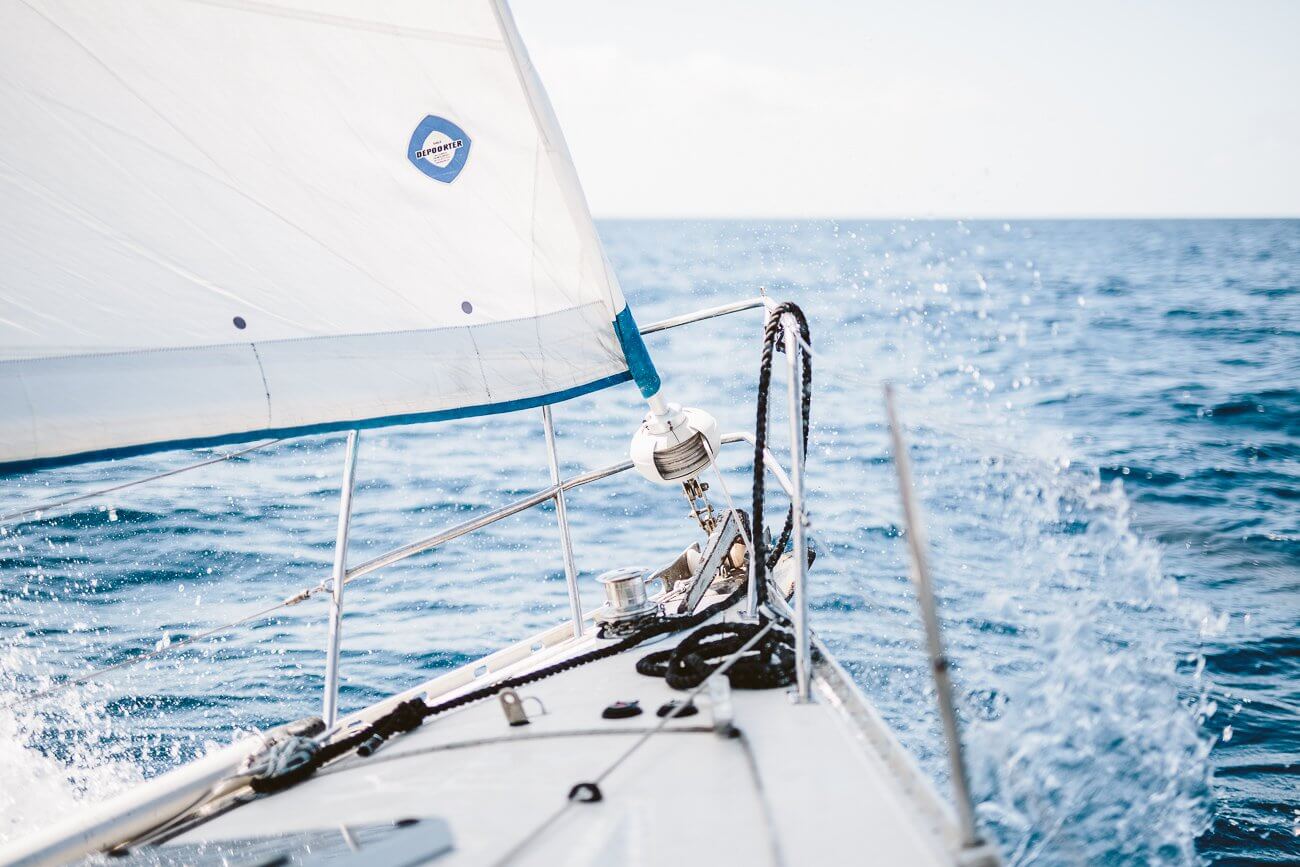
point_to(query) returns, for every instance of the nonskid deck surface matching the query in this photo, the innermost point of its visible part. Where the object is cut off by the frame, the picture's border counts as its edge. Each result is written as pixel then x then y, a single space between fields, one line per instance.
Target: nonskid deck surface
pixel 801 784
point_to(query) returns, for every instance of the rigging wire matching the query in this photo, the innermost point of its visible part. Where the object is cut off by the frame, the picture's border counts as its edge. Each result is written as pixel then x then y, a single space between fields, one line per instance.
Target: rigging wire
pixel 175 646
pixel 165 650
pixel 410 714
pixel 58 504
pixel 726 492
pixel 550 820
pixel 997 449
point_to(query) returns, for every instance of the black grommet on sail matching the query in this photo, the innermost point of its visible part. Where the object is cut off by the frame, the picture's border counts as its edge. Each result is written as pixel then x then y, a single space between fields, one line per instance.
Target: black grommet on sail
pixel 587 793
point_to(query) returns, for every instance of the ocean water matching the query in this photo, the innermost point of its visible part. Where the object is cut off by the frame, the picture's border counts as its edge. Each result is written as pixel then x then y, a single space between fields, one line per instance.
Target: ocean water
pixel 1105 423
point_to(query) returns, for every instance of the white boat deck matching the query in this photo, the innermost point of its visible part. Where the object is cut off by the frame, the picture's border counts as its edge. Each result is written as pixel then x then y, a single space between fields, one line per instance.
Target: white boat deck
pixel 823 782
pixel 801 784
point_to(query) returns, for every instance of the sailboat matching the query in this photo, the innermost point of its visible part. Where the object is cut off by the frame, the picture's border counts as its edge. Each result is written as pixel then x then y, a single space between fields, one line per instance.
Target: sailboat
pixel 228 221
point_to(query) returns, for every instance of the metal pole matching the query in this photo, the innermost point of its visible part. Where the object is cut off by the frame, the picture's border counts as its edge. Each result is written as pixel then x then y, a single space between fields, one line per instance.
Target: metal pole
pixel 537 497
pixel 934 640
pixel 330 711
pixel 59 504
pixel 801 647
pixel 562 513
pixel 700 315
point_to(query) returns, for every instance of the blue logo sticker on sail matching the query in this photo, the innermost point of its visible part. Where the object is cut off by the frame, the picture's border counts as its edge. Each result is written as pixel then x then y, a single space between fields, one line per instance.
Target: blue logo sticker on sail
pixel 438 148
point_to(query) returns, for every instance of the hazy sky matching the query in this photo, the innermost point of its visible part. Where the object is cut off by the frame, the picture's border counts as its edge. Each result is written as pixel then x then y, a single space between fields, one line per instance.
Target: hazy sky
pixel 1008 109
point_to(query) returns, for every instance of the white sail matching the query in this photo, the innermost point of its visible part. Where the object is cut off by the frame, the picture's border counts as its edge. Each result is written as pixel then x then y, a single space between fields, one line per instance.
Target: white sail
pixel 225 219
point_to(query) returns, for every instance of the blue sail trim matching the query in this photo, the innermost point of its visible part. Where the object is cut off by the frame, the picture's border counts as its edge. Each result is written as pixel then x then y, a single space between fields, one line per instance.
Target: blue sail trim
pixel 638 357
pixel 328 427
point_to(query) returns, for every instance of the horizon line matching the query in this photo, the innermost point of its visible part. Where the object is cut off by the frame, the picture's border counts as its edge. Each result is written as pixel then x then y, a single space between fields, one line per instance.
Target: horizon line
pixel 948 218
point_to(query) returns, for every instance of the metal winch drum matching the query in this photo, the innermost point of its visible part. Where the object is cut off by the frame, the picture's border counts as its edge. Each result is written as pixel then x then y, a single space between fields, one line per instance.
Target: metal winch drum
pixel 627 597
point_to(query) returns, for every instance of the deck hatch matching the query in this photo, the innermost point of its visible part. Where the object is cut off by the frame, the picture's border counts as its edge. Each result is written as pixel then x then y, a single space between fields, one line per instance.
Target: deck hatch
pixel 405 842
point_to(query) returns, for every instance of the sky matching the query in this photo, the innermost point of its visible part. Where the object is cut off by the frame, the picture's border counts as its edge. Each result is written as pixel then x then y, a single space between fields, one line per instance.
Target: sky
pixel 812 108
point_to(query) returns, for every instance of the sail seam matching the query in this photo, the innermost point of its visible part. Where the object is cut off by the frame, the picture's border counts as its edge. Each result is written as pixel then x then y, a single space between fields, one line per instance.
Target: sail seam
pixel 271 10
pixel 285 340
pixel 92 222
pixel 482 371
pixel 532 270
pixel 265 385
pixel 124 83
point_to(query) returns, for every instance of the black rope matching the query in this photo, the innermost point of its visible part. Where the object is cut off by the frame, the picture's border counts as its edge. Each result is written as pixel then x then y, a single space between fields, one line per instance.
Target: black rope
pixel 410 714
pixel 770 334
pixel 767 665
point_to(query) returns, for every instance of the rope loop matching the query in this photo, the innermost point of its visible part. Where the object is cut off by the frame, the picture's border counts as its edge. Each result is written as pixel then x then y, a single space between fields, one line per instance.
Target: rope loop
pixel 771 332
pixel 281 762
pixel 767 665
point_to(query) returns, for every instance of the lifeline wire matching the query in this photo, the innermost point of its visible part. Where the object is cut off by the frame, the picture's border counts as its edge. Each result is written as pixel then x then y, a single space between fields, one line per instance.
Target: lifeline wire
pixel 671 715
pixel 58 504
pixel 178 645
pixel 519 847
pixel 162 651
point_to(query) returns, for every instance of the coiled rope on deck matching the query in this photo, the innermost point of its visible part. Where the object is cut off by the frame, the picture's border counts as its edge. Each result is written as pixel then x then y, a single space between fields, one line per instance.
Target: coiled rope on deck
pixel 768 664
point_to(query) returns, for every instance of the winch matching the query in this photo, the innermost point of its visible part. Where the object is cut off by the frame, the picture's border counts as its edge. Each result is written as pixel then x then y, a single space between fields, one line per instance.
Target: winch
pixel 627 600
pixel 674 443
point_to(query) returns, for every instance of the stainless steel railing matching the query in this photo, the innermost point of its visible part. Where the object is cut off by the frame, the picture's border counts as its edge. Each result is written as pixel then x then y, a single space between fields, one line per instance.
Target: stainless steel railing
pixel 523 504
pixel 330 711
pixel 975 850
pixel 555 492
pixel 802 644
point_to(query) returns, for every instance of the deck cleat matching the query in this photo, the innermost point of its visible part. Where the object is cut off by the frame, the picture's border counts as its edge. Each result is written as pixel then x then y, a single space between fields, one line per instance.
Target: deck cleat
pixel 668 708
pixel 622 710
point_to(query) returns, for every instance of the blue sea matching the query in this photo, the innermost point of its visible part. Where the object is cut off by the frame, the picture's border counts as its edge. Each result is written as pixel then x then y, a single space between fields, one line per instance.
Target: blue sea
pixel 1105 423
